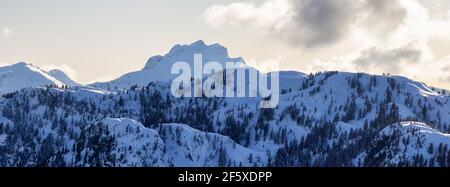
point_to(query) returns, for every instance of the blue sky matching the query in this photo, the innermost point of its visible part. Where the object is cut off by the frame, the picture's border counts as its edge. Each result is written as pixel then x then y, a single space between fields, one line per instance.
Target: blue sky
pixel 94 40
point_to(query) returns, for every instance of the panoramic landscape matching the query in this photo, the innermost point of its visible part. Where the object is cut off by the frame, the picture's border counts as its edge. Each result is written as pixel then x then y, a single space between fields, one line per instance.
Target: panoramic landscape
pixel 324 119
pixel 349 91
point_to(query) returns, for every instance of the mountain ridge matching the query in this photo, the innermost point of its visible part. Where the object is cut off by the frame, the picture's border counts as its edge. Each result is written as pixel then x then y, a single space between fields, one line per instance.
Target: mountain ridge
pixel 326 119
pixel 23 75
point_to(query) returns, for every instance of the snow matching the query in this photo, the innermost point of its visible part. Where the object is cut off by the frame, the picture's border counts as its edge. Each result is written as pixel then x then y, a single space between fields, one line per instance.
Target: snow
pixel 414 132
pixel 184 145
pixel 189 147
pixel 347 127
pixel 134 137
pixel 61 76
pixel 3 139
pixel 431 135
pixel 95 90
pixel 22 75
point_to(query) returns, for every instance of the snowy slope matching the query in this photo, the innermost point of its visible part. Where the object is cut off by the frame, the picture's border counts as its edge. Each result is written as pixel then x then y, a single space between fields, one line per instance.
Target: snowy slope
pixel 174 145
pixel 410 143
pixel 190 147
pixel 62 77
pixel 143 145
pixel 22 75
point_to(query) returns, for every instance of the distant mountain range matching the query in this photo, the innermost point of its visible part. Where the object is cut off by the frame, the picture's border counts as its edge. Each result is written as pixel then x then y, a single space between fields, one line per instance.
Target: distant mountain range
pixel 323 119
pixel 23 75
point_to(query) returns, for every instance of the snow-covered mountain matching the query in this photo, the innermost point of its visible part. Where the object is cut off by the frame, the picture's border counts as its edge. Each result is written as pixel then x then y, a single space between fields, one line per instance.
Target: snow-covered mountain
pixel 23 75
pixel 171 145
pixel 158 67
pixel 322 119
pixel 412 141
pixel 62 77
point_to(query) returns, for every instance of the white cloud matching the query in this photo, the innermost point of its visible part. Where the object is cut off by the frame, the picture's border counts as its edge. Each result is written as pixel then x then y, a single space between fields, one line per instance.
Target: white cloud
pixel 266 65
pixel 6 31
pixel 310 23
pixel 439 27
pixel 271 15
pixel 69 71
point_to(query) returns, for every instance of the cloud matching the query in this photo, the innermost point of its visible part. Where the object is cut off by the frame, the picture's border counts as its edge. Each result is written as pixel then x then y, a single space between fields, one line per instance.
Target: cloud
pixel 271 15
pixel 383 15
pixel 320 22
pixel 266 65
pixel 6 31
pixel 388 60
pixel 69 71
pixel 439 28
pixel 402 37
pixel 439 72
pixel 310 23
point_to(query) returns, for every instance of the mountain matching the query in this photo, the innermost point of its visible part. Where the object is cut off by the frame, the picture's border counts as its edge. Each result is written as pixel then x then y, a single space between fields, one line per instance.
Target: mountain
pixel 23 75
pixel 173 144
pixel 62 77
pixel 158 67
pixel 332 119
pixel 326 119
pixel 418 142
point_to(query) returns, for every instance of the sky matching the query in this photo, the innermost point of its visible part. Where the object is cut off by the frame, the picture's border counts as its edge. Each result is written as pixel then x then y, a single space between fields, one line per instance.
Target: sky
pixel 99 40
